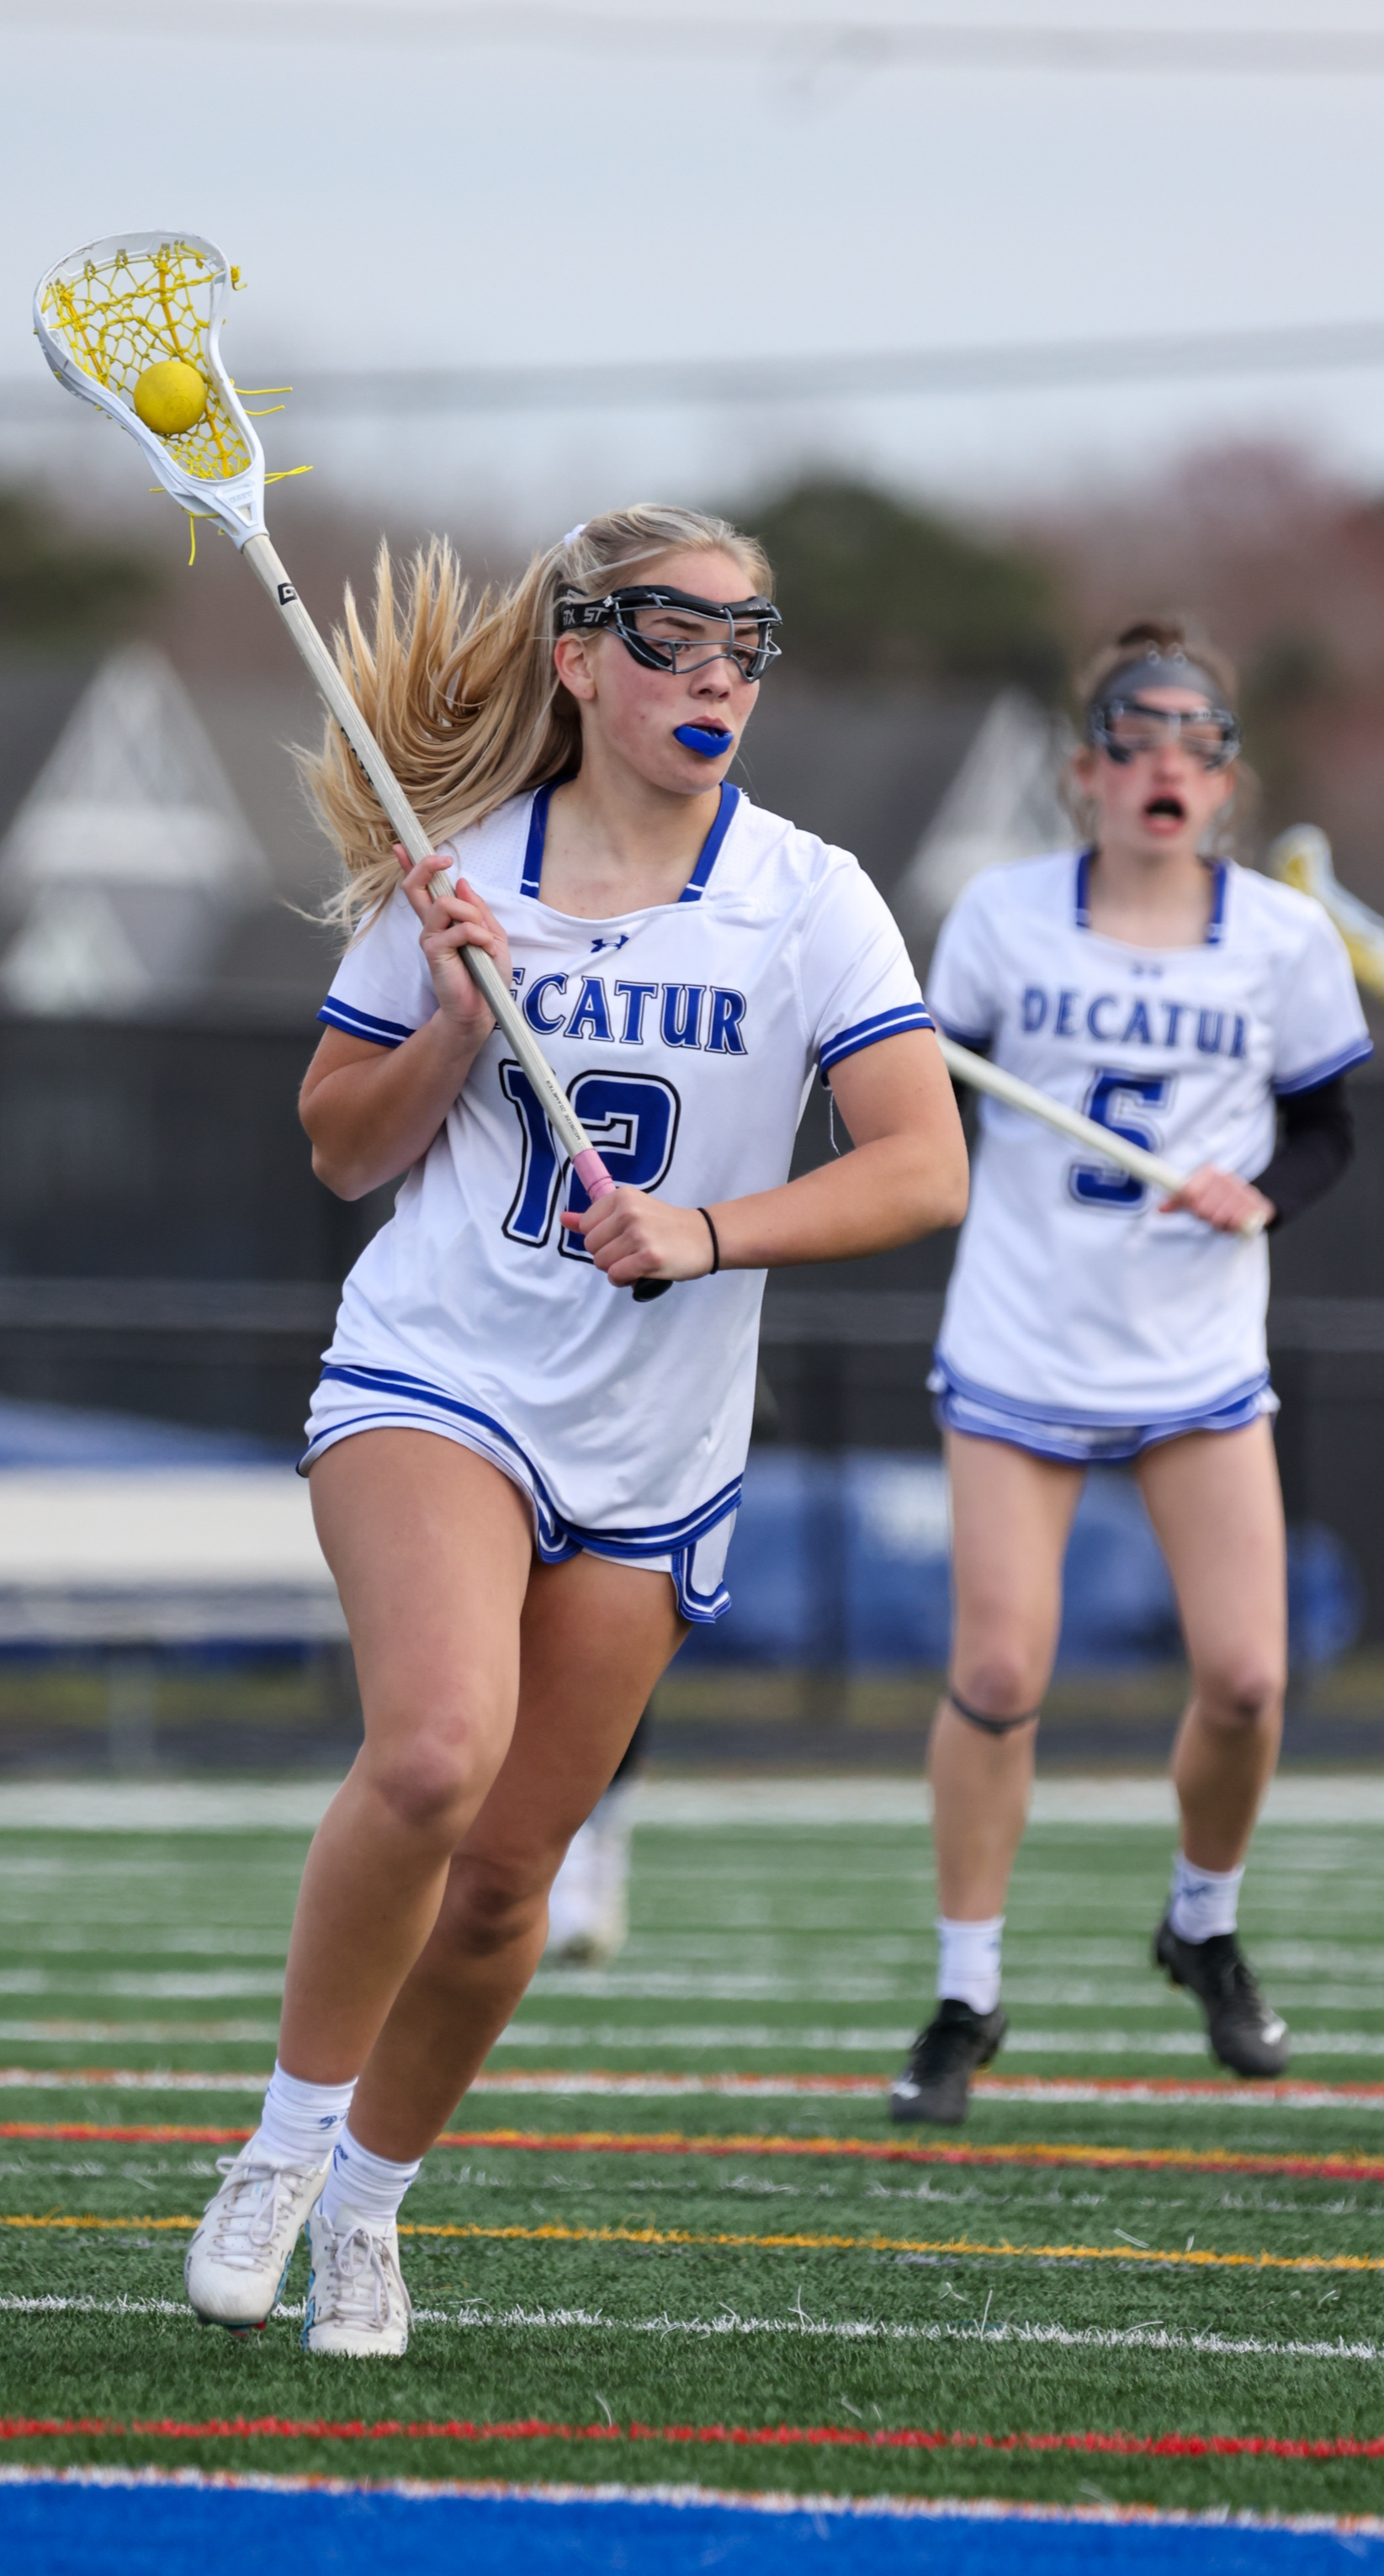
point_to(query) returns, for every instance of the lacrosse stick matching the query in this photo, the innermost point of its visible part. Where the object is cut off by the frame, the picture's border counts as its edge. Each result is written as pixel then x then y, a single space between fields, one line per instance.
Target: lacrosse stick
pixel 1302 858
pixel 1112 1148
pixel 133 325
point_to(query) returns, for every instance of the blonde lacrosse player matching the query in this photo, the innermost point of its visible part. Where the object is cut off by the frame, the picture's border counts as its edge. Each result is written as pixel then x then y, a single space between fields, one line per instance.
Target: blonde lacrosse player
pixel 1190 1006
pixel 524 1477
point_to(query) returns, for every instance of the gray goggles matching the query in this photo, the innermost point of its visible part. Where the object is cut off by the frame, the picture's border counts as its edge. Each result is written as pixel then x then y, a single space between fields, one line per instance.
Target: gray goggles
pixel 673 630
pixel 1124 727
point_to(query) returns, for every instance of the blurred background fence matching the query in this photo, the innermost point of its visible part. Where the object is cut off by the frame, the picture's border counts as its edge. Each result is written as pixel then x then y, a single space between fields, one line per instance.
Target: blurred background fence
pixel 168 1276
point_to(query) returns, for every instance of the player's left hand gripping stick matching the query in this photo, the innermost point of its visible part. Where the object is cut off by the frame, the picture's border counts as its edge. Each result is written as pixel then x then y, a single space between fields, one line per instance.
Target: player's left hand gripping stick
pixel 1107 1142
pixel 133 325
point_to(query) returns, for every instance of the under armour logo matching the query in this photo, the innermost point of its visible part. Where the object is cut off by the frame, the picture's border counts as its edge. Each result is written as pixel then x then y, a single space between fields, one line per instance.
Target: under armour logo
pixel 621 942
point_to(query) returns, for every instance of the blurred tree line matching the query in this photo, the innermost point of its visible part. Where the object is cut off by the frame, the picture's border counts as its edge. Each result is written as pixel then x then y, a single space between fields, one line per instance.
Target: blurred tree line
pixel 1280 561
pixel 61 590
pixel 873 587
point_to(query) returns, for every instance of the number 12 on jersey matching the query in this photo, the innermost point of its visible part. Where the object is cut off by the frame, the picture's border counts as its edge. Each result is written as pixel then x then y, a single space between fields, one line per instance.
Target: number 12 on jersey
pixel 1108 1102
pixel 631 1119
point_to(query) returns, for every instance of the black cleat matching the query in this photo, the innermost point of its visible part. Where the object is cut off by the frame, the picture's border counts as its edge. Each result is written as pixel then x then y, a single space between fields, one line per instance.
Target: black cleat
pixel 1245 2032
pixel 937 2079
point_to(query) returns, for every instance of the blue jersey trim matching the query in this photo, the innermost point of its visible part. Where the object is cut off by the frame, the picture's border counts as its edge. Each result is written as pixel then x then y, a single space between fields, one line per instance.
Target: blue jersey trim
pixel 1215 928
pixel 531 881
pixel 702 1609
pixel 532 877
pixel 362 1024
pixel 1075 1418
pixel 1329 1070
pixel 1220 879
pixel 1071 1448
pixel 707 856
pixel 558 1537
pixel 868 1033
pixel 660 1537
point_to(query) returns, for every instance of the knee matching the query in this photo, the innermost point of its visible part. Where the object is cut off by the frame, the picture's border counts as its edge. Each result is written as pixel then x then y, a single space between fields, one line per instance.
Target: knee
pixel 495 1907
pixel 1001 1678
pixel 429 1787
pixel 1239 1693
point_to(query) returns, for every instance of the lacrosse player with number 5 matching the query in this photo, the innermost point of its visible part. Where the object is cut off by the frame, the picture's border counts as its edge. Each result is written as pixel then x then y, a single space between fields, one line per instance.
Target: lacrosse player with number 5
pixel 1190 1006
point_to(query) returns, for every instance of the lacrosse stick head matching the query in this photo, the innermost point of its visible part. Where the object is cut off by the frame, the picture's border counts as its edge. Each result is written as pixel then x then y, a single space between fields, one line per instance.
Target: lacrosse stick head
pixel 111 314
pixel 1301 857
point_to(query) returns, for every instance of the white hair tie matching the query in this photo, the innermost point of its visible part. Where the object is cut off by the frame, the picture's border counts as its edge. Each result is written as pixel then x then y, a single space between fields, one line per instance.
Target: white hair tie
pixel 573 533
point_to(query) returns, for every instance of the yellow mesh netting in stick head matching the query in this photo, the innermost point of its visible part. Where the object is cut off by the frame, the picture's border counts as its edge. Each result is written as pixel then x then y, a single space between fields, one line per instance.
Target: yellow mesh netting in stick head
pixel 1302 857
pixel 133 325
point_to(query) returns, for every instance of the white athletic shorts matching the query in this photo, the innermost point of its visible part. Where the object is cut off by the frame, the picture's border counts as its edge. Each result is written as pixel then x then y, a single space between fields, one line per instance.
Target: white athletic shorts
pixel 985 1415
pixel 342 1406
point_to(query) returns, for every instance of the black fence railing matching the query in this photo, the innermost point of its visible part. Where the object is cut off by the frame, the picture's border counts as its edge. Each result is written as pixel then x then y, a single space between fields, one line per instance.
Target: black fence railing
pixel 165 1250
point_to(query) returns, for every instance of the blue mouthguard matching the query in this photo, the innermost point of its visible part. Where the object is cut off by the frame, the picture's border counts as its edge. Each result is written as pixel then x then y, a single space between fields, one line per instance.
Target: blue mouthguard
pixel 699 738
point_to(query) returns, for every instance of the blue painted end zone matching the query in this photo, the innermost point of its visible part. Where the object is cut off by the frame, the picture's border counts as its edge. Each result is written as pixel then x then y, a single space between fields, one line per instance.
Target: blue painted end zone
pixel 51 2528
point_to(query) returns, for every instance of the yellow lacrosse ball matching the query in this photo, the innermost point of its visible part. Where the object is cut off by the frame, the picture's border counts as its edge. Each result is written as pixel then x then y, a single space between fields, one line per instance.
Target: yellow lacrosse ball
pixel 170 397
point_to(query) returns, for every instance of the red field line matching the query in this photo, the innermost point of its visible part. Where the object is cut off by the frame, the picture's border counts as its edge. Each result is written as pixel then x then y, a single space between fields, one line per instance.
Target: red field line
pixel 280 2428
pixel 671 2142
pixel 145 2133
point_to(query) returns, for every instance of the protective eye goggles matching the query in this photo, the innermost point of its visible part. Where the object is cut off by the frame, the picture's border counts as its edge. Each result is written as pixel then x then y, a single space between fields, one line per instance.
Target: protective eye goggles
pixel 1124 727
pixel 671 630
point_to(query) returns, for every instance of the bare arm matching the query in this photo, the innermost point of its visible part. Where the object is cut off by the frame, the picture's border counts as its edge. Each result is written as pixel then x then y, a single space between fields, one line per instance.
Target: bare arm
pixel 372 1111
pixel 906 1177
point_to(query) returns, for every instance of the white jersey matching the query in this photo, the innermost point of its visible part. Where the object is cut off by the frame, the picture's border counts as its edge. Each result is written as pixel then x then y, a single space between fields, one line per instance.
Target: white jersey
pixel 1071 1297
pixel 687 1037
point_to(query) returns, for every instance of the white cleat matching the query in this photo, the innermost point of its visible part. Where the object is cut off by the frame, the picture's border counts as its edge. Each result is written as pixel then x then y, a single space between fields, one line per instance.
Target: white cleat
pixel 357 2303
pixel 238 2260
pixel 588 1913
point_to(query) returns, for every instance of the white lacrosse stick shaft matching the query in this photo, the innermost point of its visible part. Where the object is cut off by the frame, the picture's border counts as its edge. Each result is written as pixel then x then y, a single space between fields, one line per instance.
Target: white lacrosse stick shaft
pixel 480 966
pixel 236 499
pixel 1149 1168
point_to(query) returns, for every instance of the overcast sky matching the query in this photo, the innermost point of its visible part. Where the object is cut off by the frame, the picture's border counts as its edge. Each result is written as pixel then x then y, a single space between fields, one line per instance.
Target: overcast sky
pixel 404 187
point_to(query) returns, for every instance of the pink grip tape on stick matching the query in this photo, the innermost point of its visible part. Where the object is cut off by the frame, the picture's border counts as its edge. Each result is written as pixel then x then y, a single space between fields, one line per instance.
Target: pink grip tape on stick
pixel 592 1174
pixel 597 1183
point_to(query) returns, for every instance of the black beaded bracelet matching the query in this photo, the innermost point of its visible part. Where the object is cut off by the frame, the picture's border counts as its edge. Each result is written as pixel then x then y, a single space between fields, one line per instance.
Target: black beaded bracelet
pixel 715 1244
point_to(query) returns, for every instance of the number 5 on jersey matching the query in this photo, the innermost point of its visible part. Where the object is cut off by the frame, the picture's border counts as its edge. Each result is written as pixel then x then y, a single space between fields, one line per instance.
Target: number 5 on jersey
pixel 632 1120
pixel 1096 1184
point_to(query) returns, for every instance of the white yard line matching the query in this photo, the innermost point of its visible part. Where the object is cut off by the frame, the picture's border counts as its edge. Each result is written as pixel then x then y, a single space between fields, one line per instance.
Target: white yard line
pixel 141 2034
pixel 297 1806
pixel 598 2085
pixel 726 2327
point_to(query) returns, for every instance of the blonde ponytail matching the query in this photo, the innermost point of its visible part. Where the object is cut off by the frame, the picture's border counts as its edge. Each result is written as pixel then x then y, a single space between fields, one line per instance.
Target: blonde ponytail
pixel 462 696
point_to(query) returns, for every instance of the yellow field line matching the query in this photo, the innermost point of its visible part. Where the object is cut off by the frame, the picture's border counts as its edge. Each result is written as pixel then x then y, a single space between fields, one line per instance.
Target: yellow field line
pixel 1190 2258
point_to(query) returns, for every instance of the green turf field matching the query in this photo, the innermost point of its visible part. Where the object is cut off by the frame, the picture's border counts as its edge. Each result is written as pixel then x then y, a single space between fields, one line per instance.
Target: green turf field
pixel 582 2281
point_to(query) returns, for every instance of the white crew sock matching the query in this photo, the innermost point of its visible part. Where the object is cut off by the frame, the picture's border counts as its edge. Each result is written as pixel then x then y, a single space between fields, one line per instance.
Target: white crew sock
pixel 968 1962
pixel 301 2121
pixel 371 2187
pixel 1203 1901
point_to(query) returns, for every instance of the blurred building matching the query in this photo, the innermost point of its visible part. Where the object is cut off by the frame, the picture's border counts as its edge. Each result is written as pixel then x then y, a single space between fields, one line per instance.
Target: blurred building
pixel 1004 803
pixel 128 855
